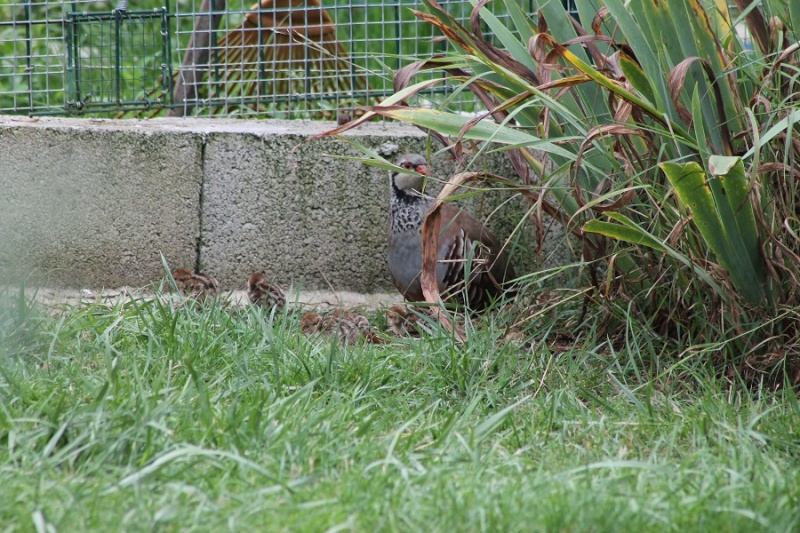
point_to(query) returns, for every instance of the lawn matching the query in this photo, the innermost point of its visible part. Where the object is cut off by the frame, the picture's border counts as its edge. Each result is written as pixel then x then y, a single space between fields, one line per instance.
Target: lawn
pixel 142 417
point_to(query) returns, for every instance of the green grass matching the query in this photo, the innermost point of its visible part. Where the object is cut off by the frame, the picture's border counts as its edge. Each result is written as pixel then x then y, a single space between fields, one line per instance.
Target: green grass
pixel 143 417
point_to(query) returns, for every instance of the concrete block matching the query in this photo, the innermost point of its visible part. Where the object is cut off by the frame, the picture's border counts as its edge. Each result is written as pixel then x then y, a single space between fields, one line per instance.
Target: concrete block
pixel 94 203
pixel 304 213
pixel 274 202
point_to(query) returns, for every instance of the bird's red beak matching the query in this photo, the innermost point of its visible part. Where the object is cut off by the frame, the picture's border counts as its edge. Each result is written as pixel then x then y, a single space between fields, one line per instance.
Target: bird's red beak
pixel 422 169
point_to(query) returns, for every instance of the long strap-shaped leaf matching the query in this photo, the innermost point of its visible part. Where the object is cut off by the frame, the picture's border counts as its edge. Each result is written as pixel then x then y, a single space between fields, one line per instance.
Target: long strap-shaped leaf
pixel 627 231
pixel 722 212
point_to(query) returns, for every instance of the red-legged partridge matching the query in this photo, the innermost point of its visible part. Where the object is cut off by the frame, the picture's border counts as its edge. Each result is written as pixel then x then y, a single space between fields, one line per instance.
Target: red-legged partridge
pixel 461 237
pixel 195 284
pixel 348 327
pixel 262 292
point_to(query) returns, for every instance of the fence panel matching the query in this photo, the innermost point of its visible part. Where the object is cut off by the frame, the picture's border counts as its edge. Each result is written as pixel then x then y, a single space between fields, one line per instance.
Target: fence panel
pixel 277 58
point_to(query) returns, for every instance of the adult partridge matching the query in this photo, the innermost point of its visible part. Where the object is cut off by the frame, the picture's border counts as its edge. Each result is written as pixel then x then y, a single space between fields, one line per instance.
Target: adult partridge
pixel 462 239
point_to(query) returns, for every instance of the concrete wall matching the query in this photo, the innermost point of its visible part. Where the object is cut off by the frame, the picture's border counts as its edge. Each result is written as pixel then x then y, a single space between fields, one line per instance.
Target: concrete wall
pixel 94 203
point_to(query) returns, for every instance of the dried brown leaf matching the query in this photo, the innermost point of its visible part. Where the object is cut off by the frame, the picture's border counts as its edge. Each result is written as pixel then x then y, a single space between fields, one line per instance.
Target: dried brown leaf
pixel 598 19
pixel 594 133
pixel 677 78
pixel 494 54
pixel 457 38
pixel 675 82
pixel 756 24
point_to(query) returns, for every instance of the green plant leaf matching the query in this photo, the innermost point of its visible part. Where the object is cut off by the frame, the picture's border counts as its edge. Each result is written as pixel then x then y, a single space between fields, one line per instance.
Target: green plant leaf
pixel 731 173
pixel 621 232
pixel 636 76
pixel 735 248
pixel 560 27
pixel 782 125
pixel 616 88
pixel 794 18
pixel 628 231
pixel 486 130
pixel 520 19
pixel 700 41
pixel 640 40
pixel 512 43
pixel 699 125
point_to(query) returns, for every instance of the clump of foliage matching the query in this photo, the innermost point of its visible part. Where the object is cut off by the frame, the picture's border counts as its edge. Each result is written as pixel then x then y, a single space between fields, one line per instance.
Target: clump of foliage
pixel 658 137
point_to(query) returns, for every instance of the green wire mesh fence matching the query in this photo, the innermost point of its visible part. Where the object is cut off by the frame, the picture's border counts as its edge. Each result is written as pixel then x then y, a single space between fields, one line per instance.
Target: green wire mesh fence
pixel 101 74
pixel 275 58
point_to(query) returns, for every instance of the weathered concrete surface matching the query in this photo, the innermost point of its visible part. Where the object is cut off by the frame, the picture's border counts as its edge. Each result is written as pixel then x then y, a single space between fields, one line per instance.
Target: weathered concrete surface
pixel 57 301
pixel 88 203
pixel 292 210
pixel 101 200
pixel 302 212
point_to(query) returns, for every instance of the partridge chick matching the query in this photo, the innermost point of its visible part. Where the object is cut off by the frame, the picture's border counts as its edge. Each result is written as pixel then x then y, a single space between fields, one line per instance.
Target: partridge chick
pixel 262 292
pixel 462 237
pixel 348 327
pixel 403 322
pixel 195 284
